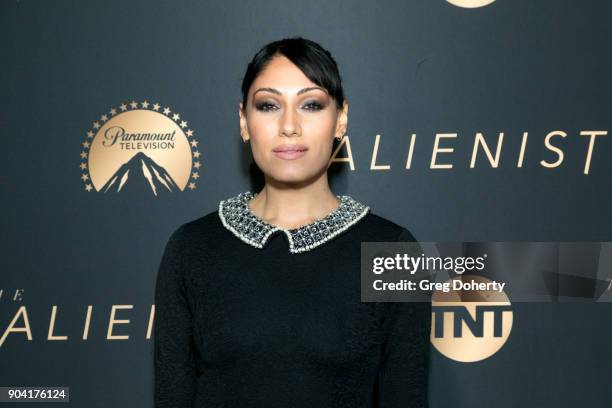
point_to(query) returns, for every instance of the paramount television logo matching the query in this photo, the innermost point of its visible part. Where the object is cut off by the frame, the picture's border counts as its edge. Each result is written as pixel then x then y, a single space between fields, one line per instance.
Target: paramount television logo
pixel 140 148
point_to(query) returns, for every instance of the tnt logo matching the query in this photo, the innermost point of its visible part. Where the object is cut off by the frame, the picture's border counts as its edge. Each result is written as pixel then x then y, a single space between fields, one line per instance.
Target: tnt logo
pixel 470 326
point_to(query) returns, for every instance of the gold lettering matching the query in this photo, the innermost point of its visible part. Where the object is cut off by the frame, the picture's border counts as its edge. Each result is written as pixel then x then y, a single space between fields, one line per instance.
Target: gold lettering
pixel 436 150
pixel 150 325
pixel 50 335
pixel 553 148
pixel 373 165
pixel 345 141
pixel 522 153
pixel 87 321
pixel 479 140
pixel 591 133
pixel 22 311
pixel 113 321
pixel 410 151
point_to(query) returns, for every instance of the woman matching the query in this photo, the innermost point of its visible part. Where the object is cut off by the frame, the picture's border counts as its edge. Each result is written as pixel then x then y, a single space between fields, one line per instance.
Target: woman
pixel 258 303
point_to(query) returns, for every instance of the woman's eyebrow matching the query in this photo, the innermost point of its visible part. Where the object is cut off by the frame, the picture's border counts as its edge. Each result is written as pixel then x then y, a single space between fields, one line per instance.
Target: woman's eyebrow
pixel 301 91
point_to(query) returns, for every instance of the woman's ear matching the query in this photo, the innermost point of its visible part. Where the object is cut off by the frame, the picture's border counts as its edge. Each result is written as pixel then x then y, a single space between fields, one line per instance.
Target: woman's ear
pixel 342 121
pixel 244 133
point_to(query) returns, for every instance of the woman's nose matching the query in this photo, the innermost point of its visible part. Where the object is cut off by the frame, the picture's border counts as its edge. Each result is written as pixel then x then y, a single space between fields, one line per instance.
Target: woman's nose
pixel 289 123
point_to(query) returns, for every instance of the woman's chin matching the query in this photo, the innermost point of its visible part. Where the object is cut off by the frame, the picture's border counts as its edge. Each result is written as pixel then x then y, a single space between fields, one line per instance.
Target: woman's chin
pixel 294 177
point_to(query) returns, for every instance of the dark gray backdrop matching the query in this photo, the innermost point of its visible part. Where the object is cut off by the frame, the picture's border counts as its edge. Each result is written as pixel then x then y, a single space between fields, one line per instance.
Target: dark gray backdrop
pixel 408 67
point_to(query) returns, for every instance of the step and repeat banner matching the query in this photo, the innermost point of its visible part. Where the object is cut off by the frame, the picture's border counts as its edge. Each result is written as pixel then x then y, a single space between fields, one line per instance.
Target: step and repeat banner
pixel 470 121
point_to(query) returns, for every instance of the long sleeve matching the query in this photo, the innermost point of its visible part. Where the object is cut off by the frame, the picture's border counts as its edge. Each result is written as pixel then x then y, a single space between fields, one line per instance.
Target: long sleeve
pixel 404 370
pixel 174 363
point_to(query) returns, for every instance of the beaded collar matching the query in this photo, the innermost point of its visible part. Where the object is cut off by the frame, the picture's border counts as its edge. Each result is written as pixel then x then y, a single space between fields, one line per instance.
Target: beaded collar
pixel 237 217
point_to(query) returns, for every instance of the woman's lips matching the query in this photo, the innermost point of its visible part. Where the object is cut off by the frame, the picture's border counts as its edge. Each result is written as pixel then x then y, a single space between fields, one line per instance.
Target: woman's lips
pixel 290 152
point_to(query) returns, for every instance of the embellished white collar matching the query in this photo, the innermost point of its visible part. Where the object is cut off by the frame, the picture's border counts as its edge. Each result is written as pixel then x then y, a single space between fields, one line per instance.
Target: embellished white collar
pixel 237 217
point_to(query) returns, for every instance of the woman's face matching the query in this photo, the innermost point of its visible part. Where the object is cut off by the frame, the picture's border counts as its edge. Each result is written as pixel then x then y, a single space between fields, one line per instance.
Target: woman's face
pixel 285 110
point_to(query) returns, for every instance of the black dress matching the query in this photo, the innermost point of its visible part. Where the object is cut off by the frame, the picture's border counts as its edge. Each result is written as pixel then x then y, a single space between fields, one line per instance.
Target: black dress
pixel 251 315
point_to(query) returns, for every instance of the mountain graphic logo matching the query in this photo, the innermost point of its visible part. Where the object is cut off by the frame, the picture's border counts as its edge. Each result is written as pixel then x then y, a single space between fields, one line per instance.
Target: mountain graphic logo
pixel 141 169
pixel 140 148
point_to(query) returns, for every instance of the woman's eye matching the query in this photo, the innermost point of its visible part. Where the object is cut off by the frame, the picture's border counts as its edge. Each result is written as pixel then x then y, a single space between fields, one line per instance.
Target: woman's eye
pixel 265 106
pixel 315 106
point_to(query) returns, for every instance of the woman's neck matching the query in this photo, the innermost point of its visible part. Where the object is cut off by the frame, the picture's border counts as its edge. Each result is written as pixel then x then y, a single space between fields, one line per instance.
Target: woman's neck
pixel 291 207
